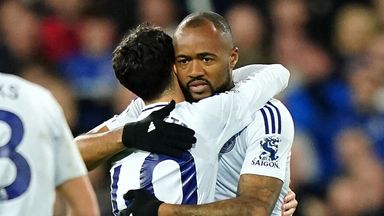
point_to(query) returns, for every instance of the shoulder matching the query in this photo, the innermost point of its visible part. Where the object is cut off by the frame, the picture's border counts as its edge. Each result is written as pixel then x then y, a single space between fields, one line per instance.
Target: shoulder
pixel 23 84
pixel 242 73
pixel 260 67
pixel 272 118
pixel 131 113
pixel 28 93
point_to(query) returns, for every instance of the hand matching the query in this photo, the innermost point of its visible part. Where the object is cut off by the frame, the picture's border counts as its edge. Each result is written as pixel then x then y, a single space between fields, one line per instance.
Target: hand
pixel 155 135
pixel 290 203
pixel 142 203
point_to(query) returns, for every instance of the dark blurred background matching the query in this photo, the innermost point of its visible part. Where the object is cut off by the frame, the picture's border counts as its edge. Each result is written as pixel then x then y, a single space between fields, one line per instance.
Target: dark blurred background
pixel 334 50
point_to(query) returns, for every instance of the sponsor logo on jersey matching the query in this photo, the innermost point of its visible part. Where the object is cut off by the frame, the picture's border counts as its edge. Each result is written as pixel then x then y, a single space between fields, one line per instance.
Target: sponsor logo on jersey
pixel 269 155
pixel 174 120
pixel 228 146
pixel 151 127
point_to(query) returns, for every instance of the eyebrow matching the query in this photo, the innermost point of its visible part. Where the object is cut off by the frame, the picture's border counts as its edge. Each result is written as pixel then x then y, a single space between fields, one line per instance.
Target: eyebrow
pixel 198 54
pixel 205 54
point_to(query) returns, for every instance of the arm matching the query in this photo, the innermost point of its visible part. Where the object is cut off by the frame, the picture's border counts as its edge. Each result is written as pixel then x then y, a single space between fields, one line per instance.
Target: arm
pixel 257 196
pixel 235 109
pixel 104 141
pixel 80 197
pixel 170 139
pixel 242 73
pixel 70 177
pixel 99 145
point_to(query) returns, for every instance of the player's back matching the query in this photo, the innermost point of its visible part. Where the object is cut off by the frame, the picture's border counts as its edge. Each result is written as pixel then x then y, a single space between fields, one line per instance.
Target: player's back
pixel 189 179
pixel 30 126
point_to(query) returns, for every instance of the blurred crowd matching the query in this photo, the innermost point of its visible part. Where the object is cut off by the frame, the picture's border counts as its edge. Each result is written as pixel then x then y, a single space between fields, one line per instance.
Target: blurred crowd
pixel 334 50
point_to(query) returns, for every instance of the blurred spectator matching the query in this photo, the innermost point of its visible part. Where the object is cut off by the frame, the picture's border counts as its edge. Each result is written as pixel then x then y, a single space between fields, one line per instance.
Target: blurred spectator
pixel 359 189
pixel 45 75
pixel 164 13
pixel 19 33
pixel 374 55
pixel 320 108
pixel 316 97
pixel 248 31
pixel 292 47
pixel 355 26
pixel 344 198
pixel 313 206
pixel 89 70
pixel 367 86
pixel 123 13
pixel 58 34
pixel 289 16
pixel 375 61
pixel 378 6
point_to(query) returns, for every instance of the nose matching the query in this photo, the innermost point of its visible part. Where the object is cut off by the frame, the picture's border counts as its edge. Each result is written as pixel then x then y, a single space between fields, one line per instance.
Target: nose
pixel 196 69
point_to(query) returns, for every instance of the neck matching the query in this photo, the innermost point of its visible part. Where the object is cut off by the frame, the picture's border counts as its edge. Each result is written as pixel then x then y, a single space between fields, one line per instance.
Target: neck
pixel 173 92
pixel 226 87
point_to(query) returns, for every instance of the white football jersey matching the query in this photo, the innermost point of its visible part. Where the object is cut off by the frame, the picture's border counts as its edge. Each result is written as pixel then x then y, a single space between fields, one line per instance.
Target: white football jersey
pixel 192 178
pixel 37 152
pixel 262 148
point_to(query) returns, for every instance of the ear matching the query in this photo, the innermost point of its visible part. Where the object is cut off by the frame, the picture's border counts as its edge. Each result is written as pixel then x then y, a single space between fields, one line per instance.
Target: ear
pixel 174 69
pixel 234 57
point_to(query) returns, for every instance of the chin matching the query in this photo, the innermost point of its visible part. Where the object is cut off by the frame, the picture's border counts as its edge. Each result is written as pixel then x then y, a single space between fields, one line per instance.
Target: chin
pixel 197 97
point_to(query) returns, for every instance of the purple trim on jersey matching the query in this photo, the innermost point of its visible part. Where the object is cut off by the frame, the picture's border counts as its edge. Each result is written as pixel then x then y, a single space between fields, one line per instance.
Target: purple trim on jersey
pixel 159 105
pixel 278 117
pixel 187 172
pixel 129 107
pixel 265 121
pixel 115 179
pixel 275 118
pixel 272 119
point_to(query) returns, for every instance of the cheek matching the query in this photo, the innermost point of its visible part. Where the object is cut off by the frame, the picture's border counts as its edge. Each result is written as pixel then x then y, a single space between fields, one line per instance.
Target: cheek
pixel 219 75
pixel 182 78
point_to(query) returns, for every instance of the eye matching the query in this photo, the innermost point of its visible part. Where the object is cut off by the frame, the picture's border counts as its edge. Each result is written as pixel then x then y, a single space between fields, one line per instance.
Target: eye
pixel 207 59
pixel 182 61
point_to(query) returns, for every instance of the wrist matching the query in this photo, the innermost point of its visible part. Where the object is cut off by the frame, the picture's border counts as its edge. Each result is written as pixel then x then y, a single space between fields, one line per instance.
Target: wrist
pixel 165 209
pixel 154 207
pixel 128 134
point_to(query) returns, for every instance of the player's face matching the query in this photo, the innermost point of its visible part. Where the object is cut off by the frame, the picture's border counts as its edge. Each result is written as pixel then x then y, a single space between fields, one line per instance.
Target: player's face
pixel 204 61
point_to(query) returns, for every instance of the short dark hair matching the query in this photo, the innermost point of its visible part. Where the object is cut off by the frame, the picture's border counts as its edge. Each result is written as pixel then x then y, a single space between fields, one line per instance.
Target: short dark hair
pixel 200 18
pixel 143 61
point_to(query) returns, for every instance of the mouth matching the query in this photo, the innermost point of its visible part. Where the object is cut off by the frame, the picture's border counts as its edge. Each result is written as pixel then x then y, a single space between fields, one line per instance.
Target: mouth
pixel 198 86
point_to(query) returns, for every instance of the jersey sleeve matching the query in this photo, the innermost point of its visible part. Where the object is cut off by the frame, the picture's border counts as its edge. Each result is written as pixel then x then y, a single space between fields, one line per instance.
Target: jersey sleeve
pixel 242 73
pixel 235 109
pixel 68 161
pixel 269 140
pixel 130 114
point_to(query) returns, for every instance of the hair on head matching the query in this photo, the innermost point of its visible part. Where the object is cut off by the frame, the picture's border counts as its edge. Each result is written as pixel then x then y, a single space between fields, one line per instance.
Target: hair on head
pixel 143 61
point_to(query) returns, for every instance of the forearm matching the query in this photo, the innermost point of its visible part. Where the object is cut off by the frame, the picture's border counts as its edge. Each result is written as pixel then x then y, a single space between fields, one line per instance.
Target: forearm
pixel 257 196
pixel 236 206
pixel 98 147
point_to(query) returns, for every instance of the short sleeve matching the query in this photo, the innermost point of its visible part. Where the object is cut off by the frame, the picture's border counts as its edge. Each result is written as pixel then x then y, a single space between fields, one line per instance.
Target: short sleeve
pixel 130 114
pixel 269 140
